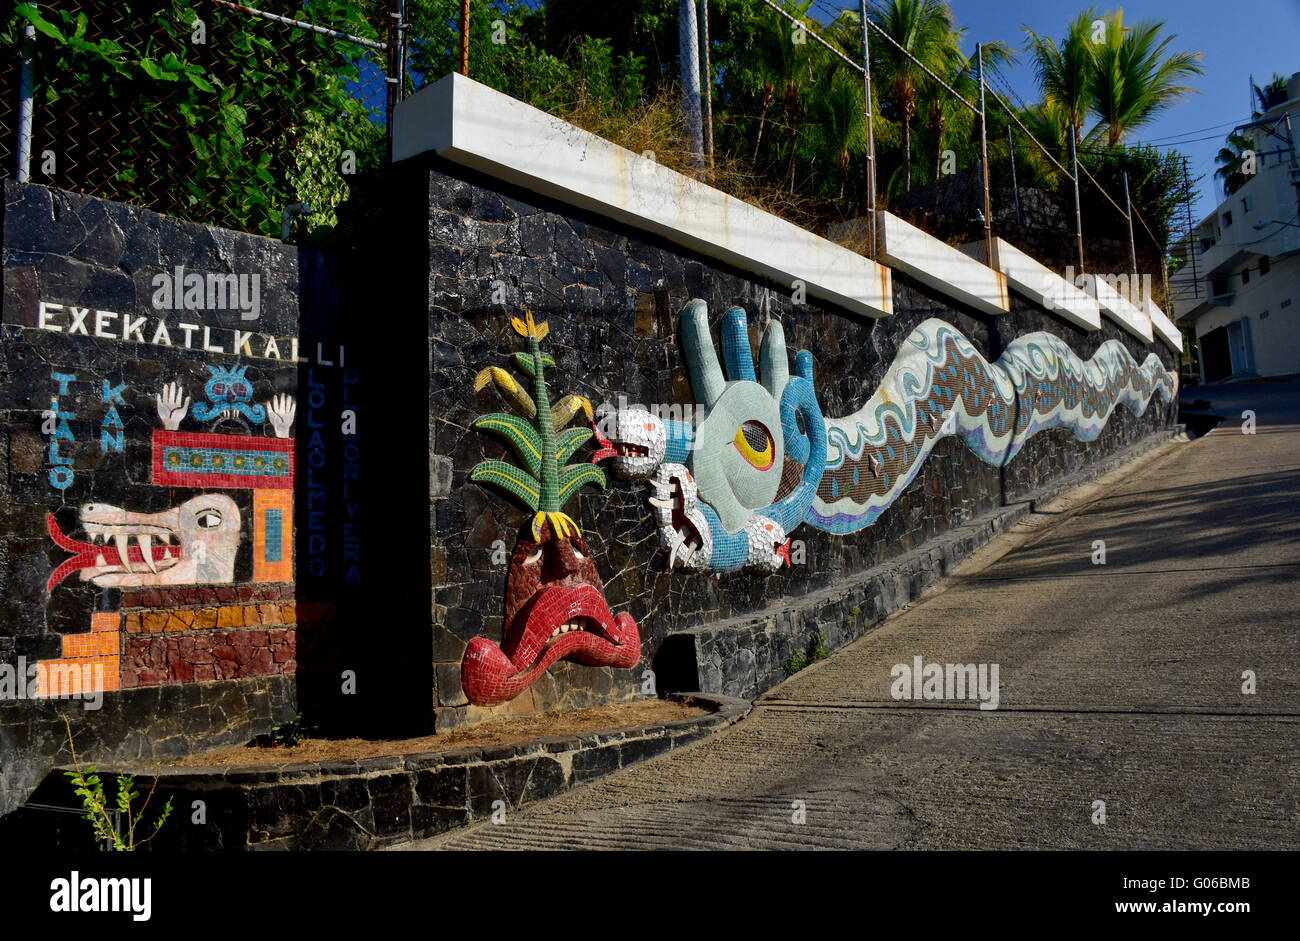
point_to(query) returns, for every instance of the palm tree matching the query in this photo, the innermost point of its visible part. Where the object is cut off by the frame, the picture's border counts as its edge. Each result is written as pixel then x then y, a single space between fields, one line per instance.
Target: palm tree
pixel 1065 72
pixel 1230 159
pixel 1135 78
pixel 770 72
pixel 925 29
pixel 1049 124
pixel 842 117
pixel 797 66
pixel 1274 93
pixel 943 110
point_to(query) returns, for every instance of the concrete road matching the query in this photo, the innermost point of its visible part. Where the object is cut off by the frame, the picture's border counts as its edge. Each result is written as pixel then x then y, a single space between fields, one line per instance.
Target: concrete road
pixel 1120 683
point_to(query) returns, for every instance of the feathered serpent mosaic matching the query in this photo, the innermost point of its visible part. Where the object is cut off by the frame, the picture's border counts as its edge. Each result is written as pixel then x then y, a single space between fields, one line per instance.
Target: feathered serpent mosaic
pixel 763 459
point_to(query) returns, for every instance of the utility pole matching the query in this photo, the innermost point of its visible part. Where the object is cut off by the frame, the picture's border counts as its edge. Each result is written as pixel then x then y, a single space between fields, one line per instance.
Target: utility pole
pixel 871 132
pixel 1191 241
pixel 688 42
pixel 1290 146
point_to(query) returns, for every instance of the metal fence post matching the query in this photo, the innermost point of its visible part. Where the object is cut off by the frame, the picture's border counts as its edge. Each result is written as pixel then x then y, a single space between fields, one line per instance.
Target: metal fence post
pixel 984 157
pixel 464 37
pixel 1132 244
pixel 1078 212
pixel 706 96
pixel 871 131
pixel 26 101
pixel 1015 188
pixel 396 77
pixel 688 43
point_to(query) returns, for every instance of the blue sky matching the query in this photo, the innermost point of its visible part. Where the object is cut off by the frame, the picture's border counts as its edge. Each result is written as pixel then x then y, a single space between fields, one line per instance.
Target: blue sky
pixel 1238 39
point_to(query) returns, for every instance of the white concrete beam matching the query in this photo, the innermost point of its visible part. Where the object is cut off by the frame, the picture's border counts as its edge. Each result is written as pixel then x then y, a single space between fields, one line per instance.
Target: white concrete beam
pixel 1117 308
pixel 940 266
pixel 1039 283
pixel 480 128
pixel 1162 326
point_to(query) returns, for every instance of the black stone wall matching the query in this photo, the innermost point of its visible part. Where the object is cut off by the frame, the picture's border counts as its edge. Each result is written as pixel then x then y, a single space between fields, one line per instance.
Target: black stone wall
pixel 611 296
pixel 71 249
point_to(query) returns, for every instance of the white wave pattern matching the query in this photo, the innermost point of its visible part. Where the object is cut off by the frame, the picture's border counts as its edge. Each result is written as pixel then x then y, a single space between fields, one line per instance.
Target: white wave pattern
pixel 939 384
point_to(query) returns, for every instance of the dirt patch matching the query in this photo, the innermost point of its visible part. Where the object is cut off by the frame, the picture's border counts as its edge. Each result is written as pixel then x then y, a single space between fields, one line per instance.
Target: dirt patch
pixel 506 732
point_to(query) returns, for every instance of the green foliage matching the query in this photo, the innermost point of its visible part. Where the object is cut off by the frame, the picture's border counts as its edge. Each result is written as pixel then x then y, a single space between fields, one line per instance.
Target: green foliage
pixel 820 650
pixel 288 734
pixel 1125 77
pixel 121 835
pixel 328 153
pixel 1136 76
pixel 509 50
pixel 1231 160
pixel 228 131
pixel 262 115
pixel 1065 72
pixel 1271 95
pixel 1156 184
pixel 817 650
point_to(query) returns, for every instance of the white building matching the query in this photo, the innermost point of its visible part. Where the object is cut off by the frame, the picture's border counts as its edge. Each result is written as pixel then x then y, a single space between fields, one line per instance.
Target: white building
pixel 1240 288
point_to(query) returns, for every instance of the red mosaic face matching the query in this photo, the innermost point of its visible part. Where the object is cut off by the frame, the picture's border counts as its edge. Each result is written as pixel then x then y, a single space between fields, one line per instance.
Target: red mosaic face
pixel 555 609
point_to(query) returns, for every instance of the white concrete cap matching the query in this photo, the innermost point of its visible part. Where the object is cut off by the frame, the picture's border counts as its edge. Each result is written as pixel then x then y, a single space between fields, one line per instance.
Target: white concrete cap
pixel 1162 326
pixel 1114 305
pixel 480 128
pixel 940 266
pixel 1040 284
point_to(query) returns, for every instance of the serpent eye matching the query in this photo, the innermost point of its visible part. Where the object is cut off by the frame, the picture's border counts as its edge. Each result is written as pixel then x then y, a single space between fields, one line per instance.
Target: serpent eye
pixel 208 519
pixel 754 442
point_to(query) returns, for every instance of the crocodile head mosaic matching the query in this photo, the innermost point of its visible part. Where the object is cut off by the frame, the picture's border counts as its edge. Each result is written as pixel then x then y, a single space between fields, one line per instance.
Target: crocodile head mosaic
pixel 192 544
pixel 555 601
pixel 761 459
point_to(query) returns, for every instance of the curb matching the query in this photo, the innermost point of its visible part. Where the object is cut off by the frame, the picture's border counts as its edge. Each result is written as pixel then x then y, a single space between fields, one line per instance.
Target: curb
pixel 374 802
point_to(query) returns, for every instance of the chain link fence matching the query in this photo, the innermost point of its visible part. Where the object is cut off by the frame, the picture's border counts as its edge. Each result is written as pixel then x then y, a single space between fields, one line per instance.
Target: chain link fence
pixel 207 110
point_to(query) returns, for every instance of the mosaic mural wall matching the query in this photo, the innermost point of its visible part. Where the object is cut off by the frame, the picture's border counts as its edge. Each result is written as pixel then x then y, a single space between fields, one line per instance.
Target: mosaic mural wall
pixel 182 492
pixel 761 459
pixel 928 419
pixel 149 402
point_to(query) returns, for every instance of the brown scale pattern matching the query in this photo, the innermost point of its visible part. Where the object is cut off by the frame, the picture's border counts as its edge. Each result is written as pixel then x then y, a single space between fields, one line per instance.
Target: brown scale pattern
pixel 977 398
